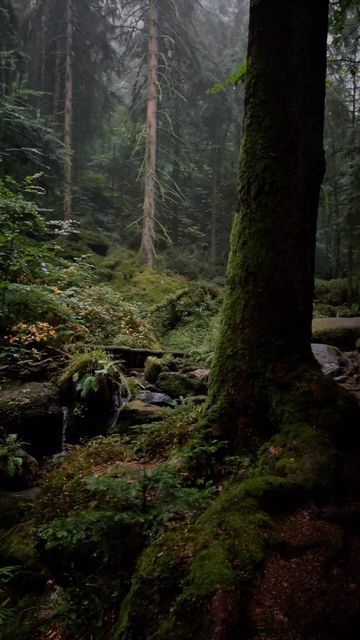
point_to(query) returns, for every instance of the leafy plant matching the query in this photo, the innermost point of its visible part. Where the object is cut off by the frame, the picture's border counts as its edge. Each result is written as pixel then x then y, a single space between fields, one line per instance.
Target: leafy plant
pixel 10 460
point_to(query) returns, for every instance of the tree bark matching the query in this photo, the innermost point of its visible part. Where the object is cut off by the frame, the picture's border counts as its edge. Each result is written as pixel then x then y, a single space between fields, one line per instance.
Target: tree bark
pixel 265 330
pixel 68 111
pixel 214 193
pixel 148 233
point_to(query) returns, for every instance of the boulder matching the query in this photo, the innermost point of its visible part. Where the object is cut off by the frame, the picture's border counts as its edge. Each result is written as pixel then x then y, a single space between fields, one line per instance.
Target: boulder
pixel 178 385
pixel 156 398
pixel 19 470
pixel 201 374
pixel 331 360
pixel 153 367
pixel 138 412
pixel 339 332
pixel 32 410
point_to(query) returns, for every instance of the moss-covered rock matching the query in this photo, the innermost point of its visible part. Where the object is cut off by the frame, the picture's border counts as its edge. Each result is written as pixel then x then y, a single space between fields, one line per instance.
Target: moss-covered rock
pixel 32 411
pixel 137 412
pixel 18 470
pixel 178 385
pixel 153 368
pixel 338 332
pixel 92 386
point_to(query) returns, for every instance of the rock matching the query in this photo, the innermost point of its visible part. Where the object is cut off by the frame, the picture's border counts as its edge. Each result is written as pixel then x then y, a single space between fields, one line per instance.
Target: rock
pixel 156 398
pixel 138 412
pixel 332 361
pixel 18 471
pixel 339 332
pixel 178 385
pixel 328 358
pixel 201 374
pixel 32 411
pixel 153 367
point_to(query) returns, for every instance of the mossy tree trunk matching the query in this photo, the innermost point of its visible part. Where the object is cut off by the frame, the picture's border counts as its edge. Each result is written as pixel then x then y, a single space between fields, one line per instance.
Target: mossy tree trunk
pixel 266 320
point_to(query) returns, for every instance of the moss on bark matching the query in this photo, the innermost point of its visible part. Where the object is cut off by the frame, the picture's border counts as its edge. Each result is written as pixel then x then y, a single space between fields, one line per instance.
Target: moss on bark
pixel 266 318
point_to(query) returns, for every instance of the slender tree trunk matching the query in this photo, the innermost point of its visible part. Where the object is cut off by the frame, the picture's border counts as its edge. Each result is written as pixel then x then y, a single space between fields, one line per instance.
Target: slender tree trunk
pixel 218 156
pixel 177 144
pixel 351 216
pixel 148 233
pixel 68 111
pixel 265 331
pixel 214 194
pixel 337 231
pixel 57 81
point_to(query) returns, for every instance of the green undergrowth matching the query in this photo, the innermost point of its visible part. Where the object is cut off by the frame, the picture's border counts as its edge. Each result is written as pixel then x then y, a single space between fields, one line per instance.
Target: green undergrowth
pixel 188 320
pixel 63 488
pixel 333 292
pixel 166 438
pixel 183 576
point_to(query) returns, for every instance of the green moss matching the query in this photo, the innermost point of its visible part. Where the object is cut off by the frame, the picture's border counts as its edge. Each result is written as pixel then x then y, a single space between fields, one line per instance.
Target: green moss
pixel 161 439
pixel 80 364
pixel 13 510
pixel 180 574
pixel 342 338
pixel 17 546
pixel 137 412
pixel 304 456
pixel 334 292
pixel 178 385
pixel 145 285
pixel 153 368
pixel 64 490
pixel 307 396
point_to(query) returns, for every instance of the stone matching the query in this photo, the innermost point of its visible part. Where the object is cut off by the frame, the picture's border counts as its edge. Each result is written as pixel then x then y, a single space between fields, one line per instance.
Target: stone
pixel 178 385
pixel 18 472
pixel 32 411
pixel 338 332
pixel 156 398
pixel 328 358
pixel 138 412
pixel 153 367
pixel 201 374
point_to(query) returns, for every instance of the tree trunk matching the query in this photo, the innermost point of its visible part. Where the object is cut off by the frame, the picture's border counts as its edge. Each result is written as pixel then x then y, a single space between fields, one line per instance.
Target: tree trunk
pixel 214 193
pixel 68 111
pixel 148 233
pixel 57 81
pixel 265 331
pixel 337 231
pixel 351 214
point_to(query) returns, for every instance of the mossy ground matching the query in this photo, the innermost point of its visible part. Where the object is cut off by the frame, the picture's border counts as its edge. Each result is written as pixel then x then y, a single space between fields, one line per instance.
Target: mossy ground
pixel 161 533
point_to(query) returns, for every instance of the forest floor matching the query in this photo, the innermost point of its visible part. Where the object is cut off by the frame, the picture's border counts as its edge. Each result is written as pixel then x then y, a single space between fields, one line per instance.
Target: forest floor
pixel 118 519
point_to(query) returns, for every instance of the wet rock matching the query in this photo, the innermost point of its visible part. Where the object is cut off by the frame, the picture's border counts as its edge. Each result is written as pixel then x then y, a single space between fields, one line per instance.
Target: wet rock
pixel 138 412
pixel 178 385
pixel 32 410
pixel 156 398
